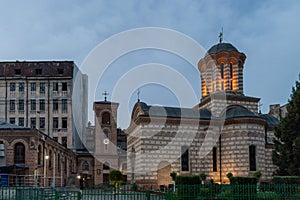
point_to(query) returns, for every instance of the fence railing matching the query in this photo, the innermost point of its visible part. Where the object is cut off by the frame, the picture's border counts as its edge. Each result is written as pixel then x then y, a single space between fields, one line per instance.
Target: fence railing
pixel 183 192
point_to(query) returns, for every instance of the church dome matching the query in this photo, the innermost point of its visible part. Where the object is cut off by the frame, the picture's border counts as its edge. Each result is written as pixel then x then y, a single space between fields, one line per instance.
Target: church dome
pixel 221 47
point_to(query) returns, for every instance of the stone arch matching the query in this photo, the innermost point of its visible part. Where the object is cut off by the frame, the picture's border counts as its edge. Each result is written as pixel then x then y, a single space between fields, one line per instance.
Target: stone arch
pixel 163 173
pixel 22 141
pixel 106 165
pixel 85 165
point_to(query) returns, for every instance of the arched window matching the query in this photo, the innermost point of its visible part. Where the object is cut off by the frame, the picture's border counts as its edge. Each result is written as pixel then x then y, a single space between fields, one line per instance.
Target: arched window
pixel 252 158
pixel 58 161
pixel 215 159
pixel 184 158
pixel 85 165
pixel 106 166
pixel 50 158
pixel 106 118
pixel 19 153
pixel 40 154
pixel 222 71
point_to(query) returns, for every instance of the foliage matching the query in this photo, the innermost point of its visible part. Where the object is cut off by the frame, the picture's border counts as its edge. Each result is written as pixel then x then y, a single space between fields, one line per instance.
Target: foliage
pixel 286 154
pixel 229 176
pixel 286 179
pixel 115 176
pixel 173 175
pixel 257 175
pixel 188 180
pixel 202 176
pixel 243 180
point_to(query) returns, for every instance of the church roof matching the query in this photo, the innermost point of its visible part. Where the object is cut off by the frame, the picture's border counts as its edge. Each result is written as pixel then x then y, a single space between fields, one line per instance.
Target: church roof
pixel 271 120
pixel 7 126
pixel 238 112
pixel 221 47
pixel 175 112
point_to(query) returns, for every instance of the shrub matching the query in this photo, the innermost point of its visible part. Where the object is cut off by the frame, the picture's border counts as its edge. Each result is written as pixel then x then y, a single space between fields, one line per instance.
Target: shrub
pixel 286 179
pixel 187 180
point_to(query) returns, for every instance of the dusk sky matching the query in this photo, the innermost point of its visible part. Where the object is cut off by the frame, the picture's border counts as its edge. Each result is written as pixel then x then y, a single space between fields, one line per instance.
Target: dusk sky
pixel 268 32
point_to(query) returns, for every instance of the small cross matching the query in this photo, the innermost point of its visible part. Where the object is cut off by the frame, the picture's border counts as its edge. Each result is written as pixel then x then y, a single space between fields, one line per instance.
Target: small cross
pixel 105 94
pixel 138 94
pixel 221 36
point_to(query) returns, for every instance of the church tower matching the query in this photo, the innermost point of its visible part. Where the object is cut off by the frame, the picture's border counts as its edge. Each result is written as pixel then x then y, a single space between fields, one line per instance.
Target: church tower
pixel 106 157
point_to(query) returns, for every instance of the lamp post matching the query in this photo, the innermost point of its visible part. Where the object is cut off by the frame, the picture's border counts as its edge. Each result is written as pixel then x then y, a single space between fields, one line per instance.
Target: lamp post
pixel 45 167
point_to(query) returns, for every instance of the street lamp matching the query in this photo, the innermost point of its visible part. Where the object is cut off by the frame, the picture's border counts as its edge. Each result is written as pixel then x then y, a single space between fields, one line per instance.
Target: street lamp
pixel 45 167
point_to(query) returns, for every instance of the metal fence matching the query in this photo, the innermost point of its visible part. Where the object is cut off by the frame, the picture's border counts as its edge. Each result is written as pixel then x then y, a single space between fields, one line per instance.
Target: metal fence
pixel 183 192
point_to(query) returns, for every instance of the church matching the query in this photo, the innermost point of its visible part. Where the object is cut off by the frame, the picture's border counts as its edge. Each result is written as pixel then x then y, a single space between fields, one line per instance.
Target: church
pixel 224 133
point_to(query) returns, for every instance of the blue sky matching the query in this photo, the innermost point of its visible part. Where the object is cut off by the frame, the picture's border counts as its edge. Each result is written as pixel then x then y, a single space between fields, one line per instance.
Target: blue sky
pixel 266 31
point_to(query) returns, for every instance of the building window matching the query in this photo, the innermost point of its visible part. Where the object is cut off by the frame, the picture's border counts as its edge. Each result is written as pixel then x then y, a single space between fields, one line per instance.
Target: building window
pixel 252 158
pixel 40 154
pixel 64 141
pixel 64 122
pixel 222 71
pixel 21 87
pixel 105 134
pixel 184 159
pixel 64 86
pixel 21 121
pixel 38 71
pixel 55 87
pixel 42 123
pixel 32 122
pixel 17 71
pixel 32 104
pixel 106 166
pixel 55 122
pixel 58 161
pixel 19 153
pixel 215 159
pixel 106 118
pixel 85 165
pixel 60 71
pixel 12 120
pixel 231 70
pixel 55 104
pixel 11 105
pixel 42 87
pixel 55 139
pixel 21 105
pixel 64 104
pixel 50 159
pixel 42 104
pixel 12 87
pixel 32 87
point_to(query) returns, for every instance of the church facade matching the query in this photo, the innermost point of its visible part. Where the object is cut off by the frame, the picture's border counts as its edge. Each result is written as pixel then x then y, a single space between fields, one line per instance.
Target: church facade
pixel 224 133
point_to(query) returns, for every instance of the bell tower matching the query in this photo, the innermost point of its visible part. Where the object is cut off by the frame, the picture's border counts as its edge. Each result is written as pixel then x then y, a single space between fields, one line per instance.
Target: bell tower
pixel 222 70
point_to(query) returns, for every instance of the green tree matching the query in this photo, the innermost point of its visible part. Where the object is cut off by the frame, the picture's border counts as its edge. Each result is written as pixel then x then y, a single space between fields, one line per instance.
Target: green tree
pixel 286 154
pixel 116 177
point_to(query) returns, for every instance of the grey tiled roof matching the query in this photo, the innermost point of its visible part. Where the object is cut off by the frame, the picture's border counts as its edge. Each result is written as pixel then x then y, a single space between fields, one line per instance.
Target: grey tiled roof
pixel 7 126
pixel 271 120
pixel 238 112
pixel 221 47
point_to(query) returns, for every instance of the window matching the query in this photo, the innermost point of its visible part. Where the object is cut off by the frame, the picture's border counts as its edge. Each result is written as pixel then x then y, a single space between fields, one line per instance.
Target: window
pixel 252 158
pixel 17 71
pixel 38 71
pixel 55 87
pixel 64 122
pixel 215 159
pixel 32 104
pixel 12 120
pixel 55 122
pixel 12 87
pixel 19 154
pixel 64 104
pixel 32 122
pixel 58 160
pixel 42 104
pixel 222 71
pixel 184 158
pixel 64 86
pixel 55 104
pixel 105 134
pixel 64 141
pixel 55 139
pixel 42 87
pixel 21 105
pixel 106 118
pixel 21 86
pixel 42 123
pixel 11 105
pixel 85 165
pixel 40 154
pixel 50 159
pixel 32 87
pixel 106 166
pixel 231 71
pixel 60 71
pixel 21 121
